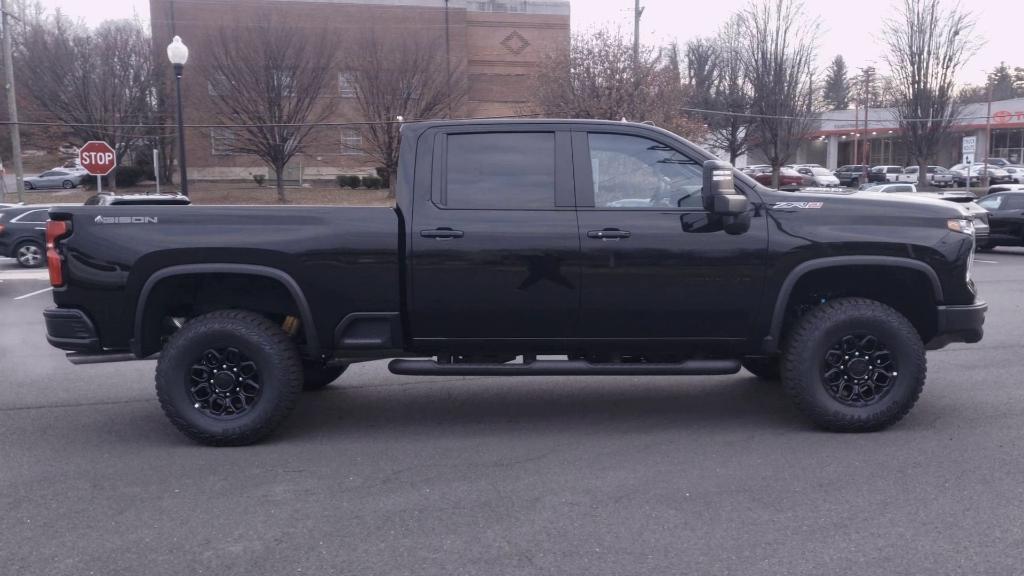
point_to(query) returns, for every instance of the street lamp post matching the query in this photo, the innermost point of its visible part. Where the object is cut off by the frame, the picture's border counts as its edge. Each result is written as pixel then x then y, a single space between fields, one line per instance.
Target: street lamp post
pixel 177 53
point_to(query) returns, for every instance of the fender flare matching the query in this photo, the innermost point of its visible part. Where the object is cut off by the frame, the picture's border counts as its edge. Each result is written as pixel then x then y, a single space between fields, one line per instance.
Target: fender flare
pixel 305 313
pixel 801 270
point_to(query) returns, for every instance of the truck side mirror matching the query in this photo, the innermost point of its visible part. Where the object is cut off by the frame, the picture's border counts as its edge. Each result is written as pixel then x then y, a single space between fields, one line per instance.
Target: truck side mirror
pixel 719 191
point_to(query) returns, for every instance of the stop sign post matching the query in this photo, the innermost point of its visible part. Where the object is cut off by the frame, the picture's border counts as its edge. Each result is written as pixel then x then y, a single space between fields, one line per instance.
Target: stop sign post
pixel 98 159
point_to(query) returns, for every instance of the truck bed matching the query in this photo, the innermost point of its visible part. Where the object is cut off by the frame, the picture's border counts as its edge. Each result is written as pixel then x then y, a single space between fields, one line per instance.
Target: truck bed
pixel 343 259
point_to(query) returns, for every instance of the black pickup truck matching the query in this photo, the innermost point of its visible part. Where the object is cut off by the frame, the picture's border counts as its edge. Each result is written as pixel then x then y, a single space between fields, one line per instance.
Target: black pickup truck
pixel 522 248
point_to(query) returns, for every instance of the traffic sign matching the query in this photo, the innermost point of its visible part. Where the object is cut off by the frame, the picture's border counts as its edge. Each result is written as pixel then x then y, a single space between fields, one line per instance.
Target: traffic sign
pixel 97 158
pixel 969 145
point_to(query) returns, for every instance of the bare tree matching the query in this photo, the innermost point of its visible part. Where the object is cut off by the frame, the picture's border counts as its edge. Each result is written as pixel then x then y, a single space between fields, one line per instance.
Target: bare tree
pixel 269 79
pixel 597 78
pixel 729 128
pixel 399 76
pixel 929 43
pixel 100 83
pixel 780 54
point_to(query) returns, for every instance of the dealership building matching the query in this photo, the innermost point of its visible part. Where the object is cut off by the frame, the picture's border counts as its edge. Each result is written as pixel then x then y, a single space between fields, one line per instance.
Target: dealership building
pixel 839 134
pixel 499 44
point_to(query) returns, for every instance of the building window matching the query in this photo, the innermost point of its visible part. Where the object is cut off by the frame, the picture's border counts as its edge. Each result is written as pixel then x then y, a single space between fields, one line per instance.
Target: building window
pixel 222 141
pixel 346 85
pixel 351 142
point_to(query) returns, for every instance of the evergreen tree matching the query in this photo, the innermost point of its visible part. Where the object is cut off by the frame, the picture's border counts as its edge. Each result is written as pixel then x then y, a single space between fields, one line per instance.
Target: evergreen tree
pixel 837 85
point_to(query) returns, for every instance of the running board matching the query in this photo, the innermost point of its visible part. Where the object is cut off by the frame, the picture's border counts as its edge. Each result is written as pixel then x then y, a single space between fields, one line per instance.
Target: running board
pixel 79 358
pixel 565 368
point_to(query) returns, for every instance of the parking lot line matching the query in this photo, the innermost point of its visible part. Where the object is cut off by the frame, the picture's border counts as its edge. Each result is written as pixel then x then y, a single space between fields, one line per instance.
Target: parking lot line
pixel 30 294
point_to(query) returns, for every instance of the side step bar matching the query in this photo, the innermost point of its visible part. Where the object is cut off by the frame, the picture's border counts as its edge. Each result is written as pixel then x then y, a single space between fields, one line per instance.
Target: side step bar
pixel 565 368
pixel 79 358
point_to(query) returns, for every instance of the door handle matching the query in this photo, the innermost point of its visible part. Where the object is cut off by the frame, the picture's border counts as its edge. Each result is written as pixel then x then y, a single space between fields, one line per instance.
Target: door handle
pixel 609 234
pixel 442 233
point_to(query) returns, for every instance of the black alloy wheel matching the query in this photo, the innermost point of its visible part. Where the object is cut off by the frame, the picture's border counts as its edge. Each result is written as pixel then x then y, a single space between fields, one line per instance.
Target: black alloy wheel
pixel 859 370
pixel 224 383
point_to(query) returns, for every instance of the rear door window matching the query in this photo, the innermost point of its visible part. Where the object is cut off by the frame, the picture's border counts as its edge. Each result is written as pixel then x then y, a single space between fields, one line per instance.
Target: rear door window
pixel 506 171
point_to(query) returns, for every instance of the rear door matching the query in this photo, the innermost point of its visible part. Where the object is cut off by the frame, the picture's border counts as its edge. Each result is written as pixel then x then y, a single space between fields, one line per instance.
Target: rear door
pixel 495 248
pixel 656 264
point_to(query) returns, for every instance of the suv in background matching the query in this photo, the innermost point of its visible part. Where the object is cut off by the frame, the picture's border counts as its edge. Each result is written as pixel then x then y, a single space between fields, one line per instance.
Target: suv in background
pixel 850 175
pixel 885 173
pixel 23 234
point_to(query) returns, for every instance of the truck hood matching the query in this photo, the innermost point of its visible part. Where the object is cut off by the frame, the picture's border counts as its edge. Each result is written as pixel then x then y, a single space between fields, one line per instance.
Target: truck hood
pixel 910 204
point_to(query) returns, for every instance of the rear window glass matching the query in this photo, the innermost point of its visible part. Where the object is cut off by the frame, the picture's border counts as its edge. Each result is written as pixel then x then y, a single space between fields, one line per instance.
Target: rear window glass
pixel 511 171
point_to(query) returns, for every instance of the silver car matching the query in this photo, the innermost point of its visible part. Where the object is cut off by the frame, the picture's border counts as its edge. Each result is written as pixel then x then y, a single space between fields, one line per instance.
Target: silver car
pixel 55 179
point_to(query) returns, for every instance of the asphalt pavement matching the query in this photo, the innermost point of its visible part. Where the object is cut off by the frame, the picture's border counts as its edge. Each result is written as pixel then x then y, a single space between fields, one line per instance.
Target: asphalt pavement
pixel 380 474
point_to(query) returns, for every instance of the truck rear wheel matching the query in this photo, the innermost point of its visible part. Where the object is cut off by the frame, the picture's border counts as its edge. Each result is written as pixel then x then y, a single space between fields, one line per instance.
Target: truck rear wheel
pixel 228 378
pixel 316 376
pixel 853 365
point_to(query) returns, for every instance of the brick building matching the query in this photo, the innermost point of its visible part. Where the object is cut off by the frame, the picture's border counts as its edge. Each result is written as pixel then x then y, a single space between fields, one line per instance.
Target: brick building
pixel 498 43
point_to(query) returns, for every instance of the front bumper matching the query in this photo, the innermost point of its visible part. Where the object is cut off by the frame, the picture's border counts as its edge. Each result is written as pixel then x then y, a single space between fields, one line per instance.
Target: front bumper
pixel 959 324
pixel 70 329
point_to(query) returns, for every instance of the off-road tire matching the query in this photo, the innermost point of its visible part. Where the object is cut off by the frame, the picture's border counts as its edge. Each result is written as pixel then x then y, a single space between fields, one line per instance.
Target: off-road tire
pixel 317 376
pixel 811 338
pixel 264 342
pixel 763 368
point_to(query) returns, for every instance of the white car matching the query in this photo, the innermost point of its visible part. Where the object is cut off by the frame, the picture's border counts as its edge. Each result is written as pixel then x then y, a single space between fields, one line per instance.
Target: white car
pixel 821 176
pixel 892 173
pixel 937 176
pixel 1016 173
pixel 888 188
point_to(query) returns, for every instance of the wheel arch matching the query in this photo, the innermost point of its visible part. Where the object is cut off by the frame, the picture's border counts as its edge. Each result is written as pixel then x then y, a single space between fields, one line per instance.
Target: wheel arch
pixel 146 325
pixel 783 300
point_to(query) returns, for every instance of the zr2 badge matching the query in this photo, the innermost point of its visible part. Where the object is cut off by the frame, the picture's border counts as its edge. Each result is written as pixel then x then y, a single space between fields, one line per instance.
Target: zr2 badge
pixel 797 205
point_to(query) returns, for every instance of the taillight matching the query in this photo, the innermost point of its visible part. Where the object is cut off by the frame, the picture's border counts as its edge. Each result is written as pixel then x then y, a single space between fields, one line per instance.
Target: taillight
pixel 55 230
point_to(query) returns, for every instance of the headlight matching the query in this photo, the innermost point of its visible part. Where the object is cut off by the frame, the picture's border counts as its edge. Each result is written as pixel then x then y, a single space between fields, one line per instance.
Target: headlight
pixel 961 225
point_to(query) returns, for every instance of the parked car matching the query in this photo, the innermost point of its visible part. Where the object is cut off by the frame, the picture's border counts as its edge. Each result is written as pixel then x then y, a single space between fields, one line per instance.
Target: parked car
pixel 23 234
pixel 789 178
pixel 819 176
pixel 1016 173
pixel 884 173
pixel 937 176
pixel 889 188
pixel 248 305
pixel 1005 188
pixel 973 175
pixel 138 200
pixel 963 198
pixel 851 175
pixel 1006 219
pixel 55 179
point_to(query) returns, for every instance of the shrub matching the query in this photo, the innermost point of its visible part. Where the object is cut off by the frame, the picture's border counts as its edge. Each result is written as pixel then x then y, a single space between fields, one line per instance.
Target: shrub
pixel 259 179
pixel 371 182
pixel 354 182
pixel 127 176
pixel 341 180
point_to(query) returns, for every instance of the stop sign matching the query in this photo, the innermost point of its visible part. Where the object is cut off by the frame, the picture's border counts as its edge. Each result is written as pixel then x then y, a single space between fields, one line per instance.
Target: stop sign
pixel 97 158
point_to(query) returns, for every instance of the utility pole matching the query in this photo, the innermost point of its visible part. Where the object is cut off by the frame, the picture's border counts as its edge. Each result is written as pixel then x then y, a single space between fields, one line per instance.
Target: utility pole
pixel 12 102
pixel 448 57
pixel 988 139
pixel 638 11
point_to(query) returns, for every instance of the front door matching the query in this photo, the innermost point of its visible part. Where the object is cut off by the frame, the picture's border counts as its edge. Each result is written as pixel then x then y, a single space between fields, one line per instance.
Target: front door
pixel 656 265
pixel 1006 217
pixel 495 250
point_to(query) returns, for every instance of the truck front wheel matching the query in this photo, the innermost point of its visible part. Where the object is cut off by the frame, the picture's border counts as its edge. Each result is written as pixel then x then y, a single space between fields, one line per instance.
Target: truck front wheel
pixel 853 365
pixel 228 378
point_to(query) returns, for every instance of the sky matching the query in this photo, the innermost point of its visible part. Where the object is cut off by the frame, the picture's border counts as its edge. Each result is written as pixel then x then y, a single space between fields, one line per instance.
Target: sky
pixel 846 28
